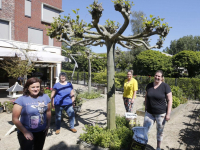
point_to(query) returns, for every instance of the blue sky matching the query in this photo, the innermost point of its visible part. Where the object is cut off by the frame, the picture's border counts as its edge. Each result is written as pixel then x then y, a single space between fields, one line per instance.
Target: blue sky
pixel 182 15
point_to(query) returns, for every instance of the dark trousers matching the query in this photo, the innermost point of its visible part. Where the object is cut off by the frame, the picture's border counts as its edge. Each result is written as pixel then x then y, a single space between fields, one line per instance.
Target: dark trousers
pixel 36 144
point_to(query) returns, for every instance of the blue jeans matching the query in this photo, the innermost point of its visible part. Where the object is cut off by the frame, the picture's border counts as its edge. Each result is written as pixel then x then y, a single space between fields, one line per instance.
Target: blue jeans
pixel 70 112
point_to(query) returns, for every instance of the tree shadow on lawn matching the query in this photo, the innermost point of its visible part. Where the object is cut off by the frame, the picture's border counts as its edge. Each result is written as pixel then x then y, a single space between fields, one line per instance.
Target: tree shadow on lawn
pixel 191 135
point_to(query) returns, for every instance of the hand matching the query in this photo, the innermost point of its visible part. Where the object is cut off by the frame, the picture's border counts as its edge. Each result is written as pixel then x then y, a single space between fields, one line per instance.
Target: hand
pixel 167 117
pixel 52 106
pixel 46 130
pixel 73 104
pixel 132 101
pixel 28 135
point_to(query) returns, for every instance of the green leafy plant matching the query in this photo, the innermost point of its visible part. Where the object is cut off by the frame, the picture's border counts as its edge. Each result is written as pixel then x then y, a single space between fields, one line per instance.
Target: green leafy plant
pixel 91 95
pixel 48 91
pixel 78 98
pixel 123 2
pixel 121 137
pixel 176 102
pixel 9 105
pixel 176 91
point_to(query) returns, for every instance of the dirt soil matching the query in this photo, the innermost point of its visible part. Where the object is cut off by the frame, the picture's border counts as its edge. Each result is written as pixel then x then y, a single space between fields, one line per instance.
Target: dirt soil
pixel 181 133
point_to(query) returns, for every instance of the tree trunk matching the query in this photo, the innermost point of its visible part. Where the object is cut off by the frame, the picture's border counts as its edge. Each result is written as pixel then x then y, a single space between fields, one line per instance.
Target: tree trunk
pixel 110 85
pixel 89 76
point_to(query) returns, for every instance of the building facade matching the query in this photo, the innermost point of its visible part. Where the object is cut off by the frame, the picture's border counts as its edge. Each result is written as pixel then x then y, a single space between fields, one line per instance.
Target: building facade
pixel 23 25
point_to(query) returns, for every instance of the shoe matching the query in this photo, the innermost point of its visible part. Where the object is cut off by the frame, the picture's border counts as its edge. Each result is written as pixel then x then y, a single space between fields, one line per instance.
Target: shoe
pixel 158 149
pixel 57 131
pixel 73 130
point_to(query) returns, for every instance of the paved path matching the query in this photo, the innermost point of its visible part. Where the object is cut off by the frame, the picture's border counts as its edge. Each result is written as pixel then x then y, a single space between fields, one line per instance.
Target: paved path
pixel 94 111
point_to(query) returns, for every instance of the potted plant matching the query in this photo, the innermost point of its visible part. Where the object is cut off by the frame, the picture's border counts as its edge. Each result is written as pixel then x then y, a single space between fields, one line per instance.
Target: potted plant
pixel 78 104
pixel 8 106
pixel 1 108
pixel 78 101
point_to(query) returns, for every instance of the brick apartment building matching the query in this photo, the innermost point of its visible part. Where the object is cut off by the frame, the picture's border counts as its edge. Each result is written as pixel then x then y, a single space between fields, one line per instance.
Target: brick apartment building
pixel 23 26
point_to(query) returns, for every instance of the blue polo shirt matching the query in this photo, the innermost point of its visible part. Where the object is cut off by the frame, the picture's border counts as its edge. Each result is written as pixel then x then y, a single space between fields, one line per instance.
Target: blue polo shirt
pixel 62 96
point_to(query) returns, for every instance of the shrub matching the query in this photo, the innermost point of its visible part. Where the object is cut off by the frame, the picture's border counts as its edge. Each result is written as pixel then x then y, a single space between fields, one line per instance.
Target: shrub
pixel 176 102
pixel 183 100
pixel 177 91
pixel 91 95
pixel 121 137
pixel 9 105
pixel 48 91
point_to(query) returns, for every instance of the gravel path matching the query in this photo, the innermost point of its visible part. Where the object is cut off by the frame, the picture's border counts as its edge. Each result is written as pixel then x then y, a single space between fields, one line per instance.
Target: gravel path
pixel 180 133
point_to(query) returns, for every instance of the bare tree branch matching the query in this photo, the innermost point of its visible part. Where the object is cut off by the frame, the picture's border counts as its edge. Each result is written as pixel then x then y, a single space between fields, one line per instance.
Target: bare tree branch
pixel 126 16
pixel 124 45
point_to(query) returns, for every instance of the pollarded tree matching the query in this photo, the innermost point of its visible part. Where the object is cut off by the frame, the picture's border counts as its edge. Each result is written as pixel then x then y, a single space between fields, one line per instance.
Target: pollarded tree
pixel 76 32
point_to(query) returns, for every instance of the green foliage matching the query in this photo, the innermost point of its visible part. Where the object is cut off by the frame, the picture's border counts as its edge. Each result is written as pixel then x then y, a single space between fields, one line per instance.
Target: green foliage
pixel 121 121
pixel 47 91
pixel 110 26
pixel 124 61
pixel 17 67
pixel 91 95
pixel 100 77
pixel 187 59
pixel 176 102
pixel 148 62
pixel 121 137
pixel 1 105
pixel 9 105
pixel 156 22
pixel 189 86
pixel 123 2
pixel 185 43
pixel 176 91
pixel 183 100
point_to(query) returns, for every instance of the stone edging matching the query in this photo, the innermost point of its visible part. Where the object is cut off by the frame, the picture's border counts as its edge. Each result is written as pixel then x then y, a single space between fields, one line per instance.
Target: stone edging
pixel 140 112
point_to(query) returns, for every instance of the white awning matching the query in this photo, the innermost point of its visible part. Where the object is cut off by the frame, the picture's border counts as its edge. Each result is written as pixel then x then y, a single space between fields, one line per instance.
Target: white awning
pixel 47 57
pixel 7 52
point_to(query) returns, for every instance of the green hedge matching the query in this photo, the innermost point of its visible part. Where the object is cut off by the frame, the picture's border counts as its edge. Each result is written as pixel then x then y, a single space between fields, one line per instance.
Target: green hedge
pixel 190 86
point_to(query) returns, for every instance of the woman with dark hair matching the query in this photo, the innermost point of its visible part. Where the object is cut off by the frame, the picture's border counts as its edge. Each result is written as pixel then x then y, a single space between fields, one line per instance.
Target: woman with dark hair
pixel 34 111
pixel 130 90
pixel 158 105
pixel 62 97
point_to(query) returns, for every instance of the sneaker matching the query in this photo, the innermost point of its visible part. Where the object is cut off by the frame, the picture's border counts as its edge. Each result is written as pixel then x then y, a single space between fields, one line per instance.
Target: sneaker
pixel 73 130
pixel 158 149
pixel 57 131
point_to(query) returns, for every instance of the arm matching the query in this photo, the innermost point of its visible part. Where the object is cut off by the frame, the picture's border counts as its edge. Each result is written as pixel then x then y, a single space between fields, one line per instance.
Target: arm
pixel 145 101
pixel 52 98
pixel 135 88
pixel 48 113
pixel 169 106
pixel 72 96
pixel 134 94
pixel 15 119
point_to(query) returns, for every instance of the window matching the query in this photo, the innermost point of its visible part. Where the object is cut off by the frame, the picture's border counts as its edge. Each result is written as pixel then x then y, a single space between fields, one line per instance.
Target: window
pixel 50 41
pixel 28 8
pixel 48 12
pixel 0 4
pixel 35 35
pixel 4 29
